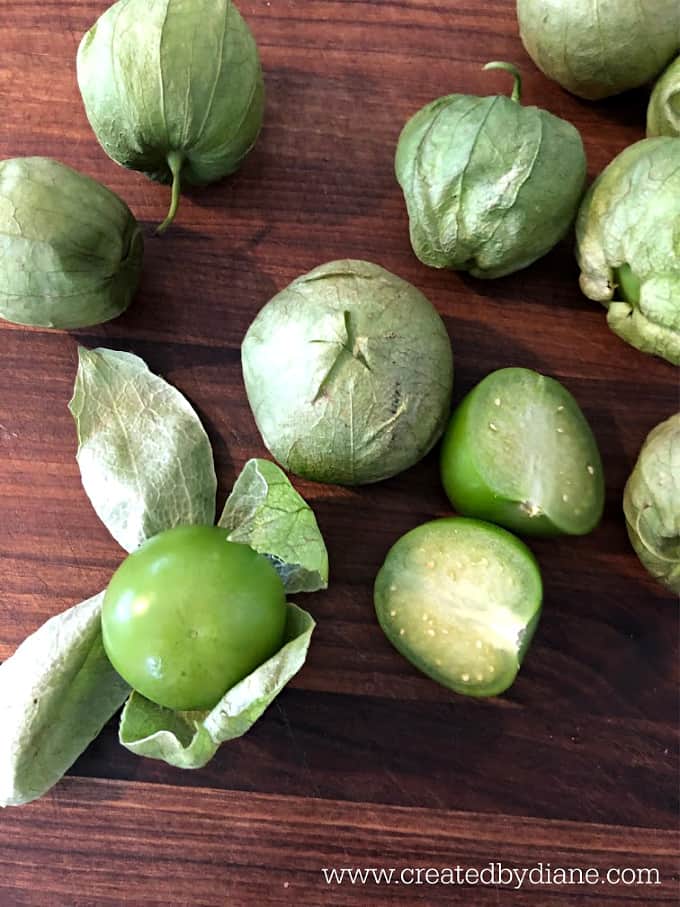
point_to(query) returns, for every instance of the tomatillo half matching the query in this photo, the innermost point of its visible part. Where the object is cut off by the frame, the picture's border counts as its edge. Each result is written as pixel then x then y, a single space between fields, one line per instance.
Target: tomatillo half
pixel 190 614
pixel 460 599
pixel 519 452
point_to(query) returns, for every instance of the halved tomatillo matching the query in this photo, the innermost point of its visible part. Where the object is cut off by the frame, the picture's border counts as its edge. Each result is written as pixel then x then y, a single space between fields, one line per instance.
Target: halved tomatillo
pixel 460 599
pixel 519 452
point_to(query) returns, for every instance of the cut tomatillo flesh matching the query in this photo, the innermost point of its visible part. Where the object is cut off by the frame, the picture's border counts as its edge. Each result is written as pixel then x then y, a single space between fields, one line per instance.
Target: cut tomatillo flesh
pixel 519 452
pixel 460 599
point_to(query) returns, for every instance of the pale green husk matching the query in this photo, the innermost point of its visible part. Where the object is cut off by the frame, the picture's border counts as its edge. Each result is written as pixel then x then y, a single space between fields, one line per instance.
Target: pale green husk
pixel 631 217
pixel 57 692
pixel 145 459
pixel 597 48
pixel 490 185
pixel 651 503
pixel 71 250
pixel 148 468
pixel 663 112
pixel 349 373
pixel 266 512
pixel 191 739
pixel 173 88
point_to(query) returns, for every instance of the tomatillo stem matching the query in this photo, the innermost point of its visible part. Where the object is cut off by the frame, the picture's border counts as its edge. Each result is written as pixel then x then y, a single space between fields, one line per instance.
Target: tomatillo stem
pixel 175 162
pixel 514 72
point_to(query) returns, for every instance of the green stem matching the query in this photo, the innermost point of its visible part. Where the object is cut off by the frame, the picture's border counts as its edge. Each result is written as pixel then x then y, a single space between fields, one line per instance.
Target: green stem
pixel 175 162
pixel 514 72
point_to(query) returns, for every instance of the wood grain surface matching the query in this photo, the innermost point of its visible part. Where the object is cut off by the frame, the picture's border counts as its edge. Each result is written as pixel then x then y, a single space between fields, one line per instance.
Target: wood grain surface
pixel 361 761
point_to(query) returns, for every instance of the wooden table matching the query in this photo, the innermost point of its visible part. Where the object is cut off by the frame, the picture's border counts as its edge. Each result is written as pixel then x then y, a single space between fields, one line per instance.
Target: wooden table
pixel 361 762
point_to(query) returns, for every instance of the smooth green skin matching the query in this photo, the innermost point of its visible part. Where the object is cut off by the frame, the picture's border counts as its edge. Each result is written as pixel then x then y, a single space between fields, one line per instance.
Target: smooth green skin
pixel 348 373
pixel 628 245
pixel 173 88
pixel 490 186
pixel 651 503
pixel 663 112
pixel 190 614
pixel 598 48
pixel 519 452
pixel 460 599
pixel 71 249
pixel 628 284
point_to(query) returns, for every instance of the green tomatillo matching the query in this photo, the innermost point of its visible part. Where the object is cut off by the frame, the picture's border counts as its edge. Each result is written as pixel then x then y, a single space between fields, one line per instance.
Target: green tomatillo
pixel 519 452
pixel 628 245
pixel 190 614
pixel 598 48
pixel 173 88
pixel 663 112
pixel 460 599
pixel 490 185
pixel 71 249
pixel 651 503
pixel 348 373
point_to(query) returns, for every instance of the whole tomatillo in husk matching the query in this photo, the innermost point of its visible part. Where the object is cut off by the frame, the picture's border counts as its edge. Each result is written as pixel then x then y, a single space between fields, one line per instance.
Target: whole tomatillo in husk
pixel 349 374
pixel 598 48
pixel 71 249
pixel 651 503
pixel 628 245
pixel 490 185
pixel 173 88
pixel 663 112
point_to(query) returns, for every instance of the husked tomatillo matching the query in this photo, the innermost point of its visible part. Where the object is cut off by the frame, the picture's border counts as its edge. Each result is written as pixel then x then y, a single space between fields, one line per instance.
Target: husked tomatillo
pixel 627 245
pixel 490 185
pixel 598 48
pixel 651 503
pixel 663 112
pixel 349 374
pixel 173 88
pixel 71 249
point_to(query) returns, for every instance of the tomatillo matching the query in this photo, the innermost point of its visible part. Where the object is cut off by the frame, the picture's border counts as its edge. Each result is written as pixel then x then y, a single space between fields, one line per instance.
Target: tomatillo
pixel 190 614
pixel 519 452
pixel 460 599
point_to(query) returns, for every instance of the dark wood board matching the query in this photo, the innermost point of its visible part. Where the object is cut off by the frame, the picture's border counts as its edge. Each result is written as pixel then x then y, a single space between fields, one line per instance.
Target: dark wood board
pixel 361 761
